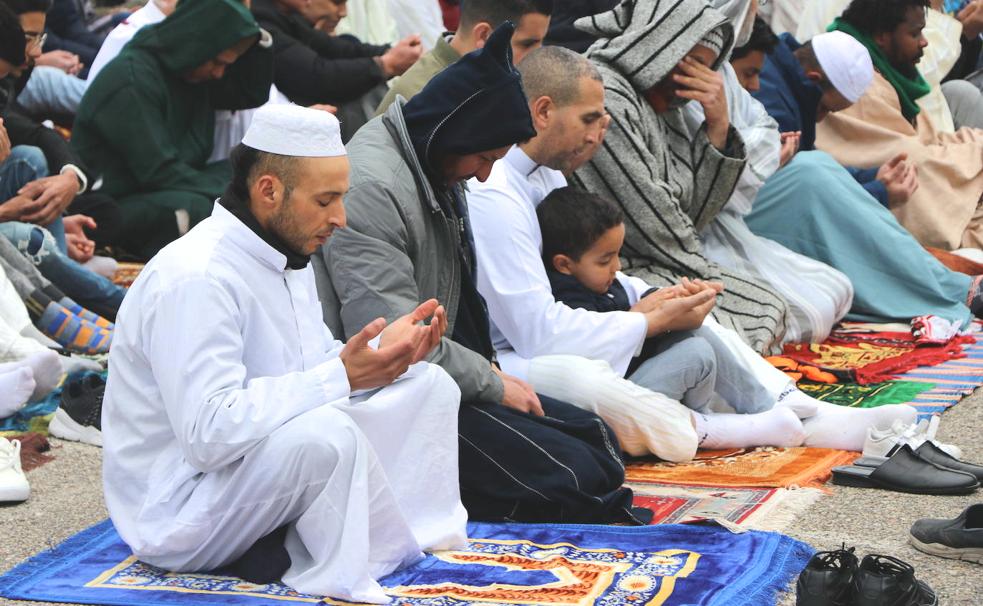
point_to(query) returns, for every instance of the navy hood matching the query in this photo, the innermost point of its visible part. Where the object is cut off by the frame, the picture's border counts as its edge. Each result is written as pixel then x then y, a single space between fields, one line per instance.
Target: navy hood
pixel 475 105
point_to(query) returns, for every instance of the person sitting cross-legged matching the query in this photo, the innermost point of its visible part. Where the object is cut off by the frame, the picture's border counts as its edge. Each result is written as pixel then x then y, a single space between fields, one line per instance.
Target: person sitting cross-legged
pixel 237 432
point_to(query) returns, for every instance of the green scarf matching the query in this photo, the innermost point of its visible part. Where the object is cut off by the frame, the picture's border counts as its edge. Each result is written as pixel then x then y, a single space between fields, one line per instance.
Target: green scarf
pixel 908 89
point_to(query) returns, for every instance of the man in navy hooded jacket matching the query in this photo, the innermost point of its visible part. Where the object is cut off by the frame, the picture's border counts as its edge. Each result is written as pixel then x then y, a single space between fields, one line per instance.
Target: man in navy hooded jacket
pixel 522 457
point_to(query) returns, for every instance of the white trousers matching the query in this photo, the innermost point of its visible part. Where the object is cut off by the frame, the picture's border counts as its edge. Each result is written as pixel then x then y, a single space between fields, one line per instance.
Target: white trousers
pixel 364 486
pixel 645 422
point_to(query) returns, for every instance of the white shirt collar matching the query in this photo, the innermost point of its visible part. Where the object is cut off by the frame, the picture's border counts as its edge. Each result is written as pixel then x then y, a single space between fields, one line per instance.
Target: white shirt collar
pixel 240 234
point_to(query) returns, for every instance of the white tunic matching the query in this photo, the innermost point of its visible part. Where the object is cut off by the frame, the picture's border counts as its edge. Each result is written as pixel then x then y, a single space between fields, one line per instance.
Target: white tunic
pixel 228 414
pixel 526 320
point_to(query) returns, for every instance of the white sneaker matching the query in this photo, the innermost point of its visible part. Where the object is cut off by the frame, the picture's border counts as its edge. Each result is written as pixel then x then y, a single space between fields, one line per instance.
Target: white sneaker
pixel 880 442
pixel 13 483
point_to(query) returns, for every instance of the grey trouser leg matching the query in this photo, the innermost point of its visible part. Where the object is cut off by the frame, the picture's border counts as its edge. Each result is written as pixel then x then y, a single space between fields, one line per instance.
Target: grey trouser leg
pixel 735 384
pixel 965 102
pixel 682 367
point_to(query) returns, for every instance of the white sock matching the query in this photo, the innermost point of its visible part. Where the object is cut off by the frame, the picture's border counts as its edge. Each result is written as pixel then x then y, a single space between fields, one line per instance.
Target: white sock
pixel 845 428
pixel 16 386
pixel 802 405
pixel 776 427
pixel 45 367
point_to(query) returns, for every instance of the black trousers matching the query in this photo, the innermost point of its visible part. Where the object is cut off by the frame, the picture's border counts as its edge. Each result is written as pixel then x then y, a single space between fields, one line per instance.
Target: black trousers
pixel 563 467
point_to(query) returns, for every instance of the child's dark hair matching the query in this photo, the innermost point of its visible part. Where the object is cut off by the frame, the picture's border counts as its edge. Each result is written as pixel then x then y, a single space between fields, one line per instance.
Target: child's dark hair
pixel 572 220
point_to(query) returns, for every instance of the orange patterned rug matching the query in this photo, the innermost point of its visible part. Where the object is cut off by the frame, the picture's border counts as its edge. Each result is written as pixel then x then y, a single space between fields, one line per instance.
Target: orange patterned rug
pixel 127 273
pixel 757 468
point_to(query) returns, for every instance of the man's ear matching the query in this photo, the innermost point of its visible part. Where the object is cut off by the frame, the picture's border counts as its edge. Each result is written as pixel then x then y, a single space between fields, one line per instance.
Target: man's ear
pixel 883 40
pixel 815 76
pixel 541 110
pixel 480 33
pixel 267 191
pixel 564 264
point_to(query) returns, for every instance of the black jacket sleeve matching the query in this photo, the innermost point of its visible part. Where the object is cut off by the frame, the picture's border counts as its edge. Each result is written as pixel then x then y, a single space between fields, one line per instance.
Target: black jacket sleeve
pixel 335 73
pixel 968 59
pixel 24 131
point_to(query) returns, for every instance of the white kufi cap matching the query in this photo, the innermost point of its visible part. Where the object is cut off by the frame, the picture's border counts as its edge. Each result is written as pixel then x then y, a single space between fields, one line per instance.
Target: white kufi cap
pixel 846 63
pixel 292 130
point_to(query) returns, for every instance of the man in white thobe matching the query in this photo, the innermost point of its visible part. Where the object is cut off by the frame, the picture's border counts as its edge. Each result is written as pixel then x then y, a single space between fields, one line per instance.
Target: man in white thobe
pixel 231 413
pixel 547 343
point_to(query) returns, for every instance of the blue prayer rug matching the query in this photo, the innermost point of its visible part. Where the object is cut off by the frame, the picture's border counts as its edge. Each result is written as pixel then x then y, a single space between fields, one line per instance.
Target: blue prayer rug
pixel 566 565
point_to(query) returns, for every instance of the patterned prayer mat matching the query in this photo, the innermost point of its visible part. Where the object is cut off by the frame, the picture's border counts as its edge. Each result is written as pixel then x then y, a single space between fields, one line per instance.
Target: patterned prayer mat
pixel 565 565
pixel 127 273
pixel 764 467
pixel 757 508
pixel 930 389
pixel 874 358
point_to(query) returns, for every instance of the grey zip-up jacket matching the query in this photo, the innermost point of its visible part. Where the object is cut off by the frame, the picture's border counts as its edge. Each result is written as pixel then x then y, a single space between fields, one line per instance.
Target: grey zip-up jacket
pixel 399 249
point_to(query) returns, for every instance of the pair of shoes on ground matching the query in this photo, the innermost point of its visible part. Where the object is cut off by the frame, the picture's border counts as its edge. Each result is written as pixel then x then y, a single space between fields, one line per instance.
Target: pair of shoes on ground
pixel 834 578
pixel 960 538
pixel 79 416
pixel 925 469
pixel 880 442
pixel 13 483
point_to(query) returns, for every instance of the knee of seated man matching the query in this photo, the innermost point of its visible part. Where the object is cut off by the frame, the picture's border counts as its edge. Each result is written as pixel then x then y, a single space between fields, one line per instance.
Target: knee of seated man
pixel 317 440
pixel 30 158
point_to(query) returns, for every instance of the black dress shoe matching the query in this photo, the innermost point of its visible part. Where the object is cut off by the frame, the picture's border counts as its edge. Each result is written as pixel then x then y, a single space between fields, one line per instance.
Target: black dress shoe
pixel 933 454
pixel 886 581
pixel 905 471
pixel 827 579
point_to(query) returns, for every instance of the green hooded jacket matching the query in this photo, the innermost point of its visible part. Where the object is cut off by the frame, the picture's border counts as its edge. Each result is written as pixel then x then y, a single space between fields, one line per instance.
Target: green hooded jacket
pixel 143 128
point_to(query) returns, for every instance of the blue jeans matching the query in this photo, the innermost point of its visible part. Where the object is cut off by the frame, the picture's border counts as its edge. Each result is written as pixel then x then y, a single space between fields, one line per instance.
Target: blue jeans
pixel 25 163
pixel 50 91
pixel 87 288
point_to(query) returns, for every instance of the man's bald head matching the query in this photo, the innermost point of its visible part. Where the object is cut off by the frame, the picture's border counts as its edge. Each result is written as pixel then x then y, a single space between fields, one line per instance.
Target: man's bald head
pixel 556 72
pixel 566 101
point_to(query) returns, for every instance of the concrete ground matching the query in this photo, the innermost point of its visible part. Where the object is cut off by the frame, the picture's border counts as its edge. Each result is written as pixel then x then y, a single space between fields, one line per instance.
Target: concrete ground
pixel 67 497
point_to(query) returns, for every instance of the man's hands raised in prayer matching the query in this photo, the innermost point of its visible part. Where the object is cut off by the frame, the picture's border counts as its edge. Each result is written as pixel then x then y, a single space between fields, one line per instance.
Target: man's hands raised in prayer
pixel 402 343
pixel 700 83
pixel 680 307
pixel 519 395
pixel 401 56
pixel 790 146
pixel 900 177
pixel 972 19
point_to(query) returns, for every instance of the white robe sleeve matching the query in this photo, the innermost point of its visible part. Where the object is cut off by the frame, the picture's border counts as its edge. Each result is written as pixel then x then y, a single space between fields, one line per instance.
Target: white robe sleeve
pixel 513 281
pixel 195 344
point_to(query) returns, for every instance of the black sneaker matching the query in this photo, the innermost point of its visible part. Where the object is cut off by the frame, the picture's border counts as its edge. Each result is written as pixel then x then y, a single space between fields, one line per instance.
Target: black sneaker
pixel 827 579
pixel 959 539
pixel 79 417
pixel 886 581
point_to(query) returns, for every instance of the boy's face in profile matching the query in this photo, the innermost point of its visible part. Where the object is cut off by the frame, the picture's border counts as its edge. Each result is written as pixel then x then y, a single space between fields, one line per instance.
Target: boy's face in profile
pixel 597 267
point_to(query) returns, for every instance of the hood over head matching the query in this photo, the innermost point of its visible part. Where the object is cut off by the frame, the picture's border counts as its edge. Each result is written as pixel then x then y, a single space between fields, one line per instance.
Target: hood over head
pixel 645 39
pixel 476 104
pixel 739 13
pixel 197 31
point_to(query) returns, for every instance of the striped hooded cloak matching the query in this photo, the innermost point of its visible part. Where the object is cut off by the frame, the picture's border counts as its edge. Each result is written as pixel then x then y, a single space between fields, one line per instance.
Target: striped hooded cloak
pixel 669 183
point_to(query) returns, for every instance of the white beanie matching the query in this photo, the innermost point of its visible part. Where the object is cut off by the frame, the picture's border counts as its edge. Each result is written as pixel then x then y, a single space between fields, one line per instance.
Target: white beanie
pixel 292 130
pixel 846 63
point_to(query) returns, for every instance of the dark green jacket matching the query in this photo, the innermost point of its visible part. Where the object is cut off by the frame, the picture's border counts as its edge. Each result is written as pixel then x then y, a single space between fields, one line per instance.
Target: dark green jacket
pixel 142 127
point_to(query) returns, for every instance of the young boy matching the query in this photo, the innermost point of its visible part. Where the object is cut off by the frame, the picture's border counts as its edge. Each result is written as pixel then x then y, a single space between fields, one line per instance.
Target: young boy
pixel 582 238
